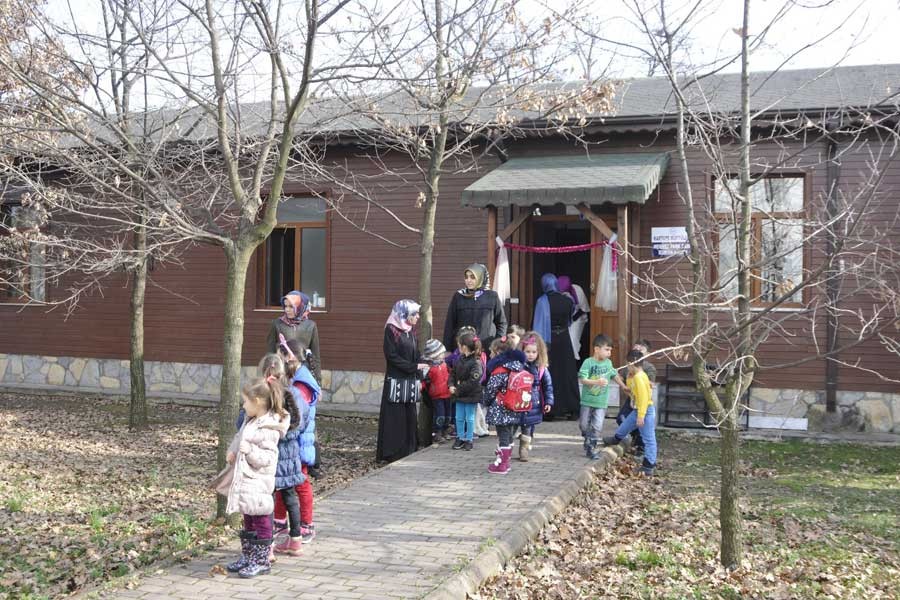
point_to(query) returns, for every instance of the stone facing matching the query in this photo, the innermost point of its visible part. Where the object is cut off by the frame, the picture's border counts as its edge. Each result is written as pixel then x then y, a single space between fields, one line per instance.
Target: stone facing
pixel 167 380
pixel 361 390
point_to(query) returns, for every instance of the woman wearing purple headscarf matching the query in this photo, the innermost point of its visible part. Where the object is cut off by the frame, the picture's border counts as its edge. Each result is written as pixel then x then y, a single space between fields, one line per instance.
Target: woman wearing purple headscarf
pixel 296 325
pixel 552 318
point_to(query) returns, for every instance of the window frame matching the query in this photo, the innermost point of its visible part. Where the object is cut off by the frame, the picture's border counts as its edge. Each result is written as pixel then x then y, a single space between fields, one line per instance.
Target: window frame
pixel 757 218
pixel 298 227
pixel 21 300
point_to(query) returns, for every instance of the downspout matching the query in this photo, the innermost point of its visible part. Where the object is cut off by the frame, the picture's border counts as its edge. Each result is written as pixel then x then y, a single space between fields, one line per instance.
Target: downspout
pixel 832 285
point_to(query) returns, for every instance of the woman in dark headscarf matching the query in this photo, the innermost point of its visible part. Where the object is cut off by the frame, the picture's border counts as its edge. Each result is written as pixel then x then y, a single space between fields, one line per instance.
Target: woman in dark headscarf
pixel 296 325
pixel 552 317
pixel 397 433
pixel 477 306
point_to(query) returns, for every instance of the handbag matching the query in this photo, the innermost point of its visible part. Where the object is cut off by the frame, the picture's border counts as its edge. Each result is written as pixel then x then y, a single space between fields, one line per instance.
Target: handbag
pixel 403 391
pixel 222 482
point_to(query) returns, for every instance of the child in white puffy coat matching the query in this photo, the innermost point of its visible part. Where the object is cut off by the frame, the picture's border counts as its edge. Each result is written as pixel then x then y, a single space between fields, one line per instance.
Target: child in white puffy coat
pixel 254 454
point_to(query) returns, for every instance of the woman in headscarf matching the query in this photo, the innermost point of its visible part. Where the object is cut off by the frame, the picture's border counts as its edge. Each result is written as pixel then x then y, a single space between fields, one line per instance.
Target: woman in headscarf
pixel 296 325
pixel 552 318
pixel 477 306
pixel 397 433
pixel 582 311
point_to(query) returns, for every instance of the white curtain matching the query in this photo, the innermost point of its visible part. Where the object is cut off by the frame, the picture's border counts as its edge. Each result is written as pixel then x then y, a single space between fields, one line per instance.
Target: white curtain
pixel 607 296
pixel 577 326
pixel 501 276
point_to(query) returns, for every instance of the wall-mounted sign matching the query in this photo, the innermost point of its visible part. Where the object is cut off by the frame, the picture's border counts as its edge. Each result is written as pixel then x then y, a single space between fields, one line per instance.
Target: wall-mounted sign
pixel 669 241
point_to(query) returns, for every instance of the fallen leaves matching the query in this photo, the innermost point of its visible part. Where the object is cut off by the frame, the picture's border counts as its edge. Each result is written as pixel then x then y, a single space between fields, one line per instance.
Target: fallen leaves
pixel 84 500
pixel 634 537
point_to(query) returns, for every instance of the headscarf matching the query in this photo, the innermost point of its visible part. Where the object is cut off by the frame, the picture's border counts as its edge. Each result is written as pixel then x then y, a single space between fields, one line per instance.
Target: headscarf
pixel 549 284
pixel 564 283
pixel 482 280
pixel 401 312
pixel 300 302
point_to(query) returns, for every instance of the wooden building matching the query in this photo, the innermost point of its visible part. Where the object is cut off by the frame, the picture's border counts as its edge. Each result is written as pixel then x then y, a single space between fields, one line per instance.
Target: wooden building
pixel 550 192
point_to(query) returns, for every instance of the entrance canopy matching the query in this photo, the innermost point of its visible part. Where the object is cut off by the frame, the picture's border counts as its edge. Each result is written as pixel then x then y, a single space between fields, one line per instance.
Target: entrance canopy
pixel 614 178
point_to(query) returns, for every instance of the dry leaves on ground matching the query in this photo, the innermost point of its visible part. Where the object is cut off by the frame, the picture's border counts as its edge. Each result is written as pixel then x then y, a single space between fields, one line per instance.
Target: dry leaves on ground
pixel 629 536
pixel 84 500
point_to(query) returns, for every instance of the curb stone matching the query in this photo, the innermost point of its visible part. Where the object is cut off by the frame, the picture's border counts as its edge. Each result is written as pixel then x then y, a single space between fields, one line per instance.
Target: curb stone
pixel 489 562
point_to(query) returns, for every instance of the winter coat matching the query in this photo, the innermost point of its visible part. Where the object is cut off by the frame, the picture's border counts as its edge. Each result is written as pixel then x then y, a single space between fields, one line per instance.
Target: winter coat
pixel 401 353
pixel 454 357
pixel 466 379
pixel 437 381
pixel 289 471
pixel 512 360
pixel 306 334
pixel 307 438
pixel 484 313
pixel 541 393
pixel 254 472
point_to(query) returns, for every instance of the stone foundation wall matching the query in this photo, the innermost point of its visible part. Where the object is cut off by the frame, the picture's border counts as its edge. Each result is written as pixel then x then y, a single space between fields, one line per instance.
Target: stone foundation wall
pixel 347 390
pixel 856 411
pixel 361 391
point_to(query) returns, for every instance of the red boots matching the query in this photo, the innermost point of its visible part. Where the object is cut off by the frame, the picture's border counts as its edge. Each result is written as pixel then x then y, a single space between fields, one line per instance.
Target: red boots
pixel 500 466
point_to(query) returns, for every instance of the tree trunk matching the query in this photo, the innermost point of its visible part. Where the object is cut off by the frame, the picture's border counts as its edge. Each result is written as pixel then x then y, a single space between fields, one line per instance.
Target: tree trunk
pixel 729 496
pixel 137 411
pixel 426 321
pixel 237 261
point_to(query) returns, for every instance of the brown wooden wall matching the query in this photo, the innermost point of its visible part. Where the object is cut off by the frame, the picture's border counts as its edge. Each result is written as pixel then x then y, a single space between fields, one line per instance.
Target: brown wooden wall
pixel 183 313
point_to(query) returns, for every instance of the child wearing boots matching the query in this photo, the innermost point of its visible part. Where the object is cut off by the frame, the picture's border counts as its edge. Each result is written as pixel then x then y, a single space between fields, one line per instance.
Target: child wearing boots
pixel 466 389
pixel 595 375
pixel 505 360
pixel 535 351
pixel 643 417
pixel 254 454
pixel 436 386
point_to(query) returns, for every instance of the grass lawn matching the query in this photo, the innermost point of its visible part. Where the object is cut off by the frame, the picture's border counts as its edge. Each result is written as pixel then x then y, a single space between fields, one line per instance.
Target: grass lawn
pixel 83 501
pixel 820 521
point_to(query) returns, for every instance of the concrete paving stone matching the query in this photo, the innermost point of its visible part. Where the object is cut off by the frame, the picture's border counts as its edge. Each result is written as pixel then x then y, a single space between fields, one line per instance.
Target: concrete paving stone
pixel 396 533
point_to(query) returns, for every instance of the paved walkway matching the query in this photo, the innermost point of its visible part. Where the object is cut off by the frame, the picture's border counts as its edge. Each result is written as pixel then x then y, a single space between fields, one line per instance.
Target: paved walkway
pixel 398 532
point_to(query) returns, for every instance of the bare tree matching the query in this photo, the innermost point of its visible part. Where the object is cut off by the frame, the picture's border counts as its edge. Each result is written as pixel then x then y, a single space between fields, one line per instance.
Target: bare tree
pixel 767 265
pixel 458 80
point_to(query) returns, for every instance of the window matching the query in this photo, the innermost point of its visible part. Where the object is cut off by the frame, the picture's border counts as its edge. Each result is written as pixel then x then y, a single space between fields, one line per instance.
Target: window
pixel 295 257
pixel 777 237
pixel 22 271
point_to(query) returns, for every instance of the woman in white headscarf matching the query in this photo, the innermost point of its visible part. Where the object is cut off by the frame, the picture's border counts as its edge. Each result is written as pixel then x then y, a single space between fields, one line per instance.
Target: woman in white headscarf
pixel 397 433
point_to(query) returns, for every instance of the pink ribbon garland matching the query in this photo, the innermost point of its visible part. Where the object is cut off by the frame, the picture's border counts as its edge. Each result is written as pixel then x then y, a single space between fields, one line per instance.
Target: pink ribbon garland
pixel 566 249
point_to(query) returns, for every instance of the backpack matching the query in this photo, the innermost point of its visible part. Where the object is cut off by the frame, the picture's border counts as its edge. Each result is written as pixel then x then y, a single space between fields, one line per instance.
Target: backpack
pixel 517 396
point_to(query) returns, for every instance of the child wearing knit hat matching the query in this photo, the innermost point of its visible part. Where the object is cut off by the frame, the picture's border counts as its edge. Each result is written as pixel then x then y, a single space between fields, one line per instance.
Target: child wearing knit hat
pixel 436 389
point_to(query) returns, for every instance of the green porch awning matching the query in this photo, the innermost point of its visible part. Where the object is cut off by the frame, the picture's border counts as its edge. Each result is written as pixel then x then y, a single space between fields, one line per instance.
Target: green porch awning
pixel 614 178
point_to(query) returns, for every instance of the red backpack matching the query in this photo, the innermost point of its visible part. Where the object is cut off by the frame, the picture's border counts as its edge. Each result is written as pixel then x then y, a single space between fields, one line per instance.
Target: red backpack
pixel 517 396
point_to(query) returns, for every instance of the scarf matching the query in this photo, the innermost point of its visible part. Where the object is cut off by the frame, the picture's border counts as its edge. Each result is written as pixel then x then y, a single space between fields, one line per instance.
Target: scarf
pixel 482 281
pixel 403 309
pixel 300 302
pixel 549 284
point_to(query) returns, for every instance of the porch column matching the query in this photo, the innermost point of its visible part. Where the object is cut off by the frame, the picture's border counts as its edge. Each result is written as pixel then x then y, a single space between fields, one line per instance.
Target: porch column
pixel 491 240
pixel 624 286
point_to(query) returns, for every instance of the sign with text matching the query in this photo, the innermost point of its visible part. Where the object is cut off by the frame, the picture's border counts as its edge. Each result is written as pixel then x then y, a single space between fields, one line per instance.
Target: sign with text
pixel 669 241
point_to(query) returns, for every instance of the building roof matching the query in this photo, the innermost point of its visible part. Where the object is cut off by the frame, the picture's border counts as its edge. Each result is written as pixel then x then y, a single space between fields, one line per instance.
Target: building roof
pixel 636 101
pixel 614 178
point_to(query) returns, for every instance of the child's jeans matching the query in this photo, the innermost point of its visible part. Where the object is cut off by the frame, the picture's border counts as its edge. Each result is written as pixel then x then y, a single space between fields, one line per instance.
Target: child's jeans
pixel 442 415
pixel 626 409
pixel 465 421
pixel 505 435
pixel 590 420
pixel 259 524
pixel 648 431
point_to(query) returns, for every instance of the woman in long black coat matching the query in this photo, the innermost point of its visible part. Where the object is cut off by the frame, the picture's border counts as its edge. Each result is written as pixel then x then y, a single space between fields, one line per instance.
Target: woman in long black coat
pixel 477 306
pixel 552 317
pixel 397 434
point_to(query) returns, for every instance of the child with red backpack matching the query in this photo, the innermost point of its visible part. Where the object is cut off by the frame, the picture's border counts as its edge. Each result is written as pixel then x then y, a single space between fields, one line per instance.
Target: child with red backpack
pixel 436 386
pixel 507 395
pixel 535 351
